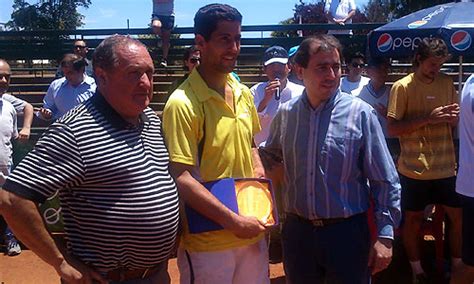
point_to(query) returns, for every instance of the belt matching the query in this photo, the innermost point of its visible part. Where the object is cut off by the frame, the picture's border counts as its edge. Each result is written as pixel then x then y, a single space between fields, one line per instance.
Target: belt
pixel 124 274
pixel 321 222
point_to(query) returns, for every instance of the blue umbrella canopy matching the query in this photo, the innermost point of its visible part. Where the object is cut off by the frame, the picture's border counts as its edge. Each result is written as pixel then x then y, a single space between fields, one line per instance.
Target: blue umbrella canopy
pixel 453 22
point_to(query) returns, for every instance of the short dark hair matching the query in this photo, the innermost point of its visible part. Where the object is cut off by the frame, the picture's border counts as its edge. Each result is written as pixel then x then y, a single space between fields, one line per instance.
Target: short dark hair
pixel 355 55
pixel 72 60
pixel 207 18
pixel 430 47
pixel 378 61
pixel 315 44
pixel 189 51
pixel 105 55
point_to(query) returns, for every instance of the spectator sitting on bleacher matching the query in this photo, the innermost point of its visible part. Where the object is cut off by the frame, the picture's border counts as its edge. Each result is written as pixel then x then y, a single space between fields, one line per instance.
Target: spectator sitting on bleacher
pixel 191 59
pixel 8 131
pixel 21 106
pixel 80 49
pixel 354 81
pixel 71 90
pixel 293 76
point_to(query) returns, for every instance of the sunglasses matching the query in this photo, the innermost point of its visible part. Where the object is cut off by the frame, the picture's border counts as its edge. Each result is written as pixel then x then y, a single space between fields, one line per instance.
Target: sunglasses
pixel 357 65
pixel 195 60
pixel 80 46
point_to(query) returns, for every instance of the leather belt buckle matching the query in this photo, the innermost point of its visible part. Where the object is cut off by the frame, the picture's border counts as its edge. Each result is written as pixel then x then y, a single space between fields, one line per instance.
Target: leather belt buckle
pixel 317 223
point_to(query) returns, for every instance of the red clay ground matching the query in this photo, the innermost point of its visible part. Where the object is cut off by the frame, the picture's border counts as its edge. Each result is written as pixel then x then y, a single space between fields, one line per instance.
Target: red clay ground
pixel 27 268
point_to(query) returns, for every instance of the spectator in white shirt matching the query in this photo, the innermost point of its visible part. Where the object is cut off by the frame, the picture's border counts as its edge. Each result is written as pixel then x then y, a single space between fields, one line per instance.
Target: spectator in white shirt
pixel 340 12
pixel 353 82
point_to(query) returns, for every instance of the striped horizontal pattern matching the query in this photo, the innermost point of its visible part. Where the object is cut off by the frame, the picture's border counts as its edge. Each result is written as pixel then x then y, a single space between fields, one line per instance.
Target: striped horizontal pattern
pixel 119 202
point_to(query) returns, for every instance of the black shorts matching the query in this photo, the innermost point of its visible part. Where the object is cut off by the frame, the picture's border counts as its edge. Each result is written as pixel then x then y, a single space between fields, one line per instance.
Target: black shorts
pixel 467 230
pixel 417 194
pixel 167 22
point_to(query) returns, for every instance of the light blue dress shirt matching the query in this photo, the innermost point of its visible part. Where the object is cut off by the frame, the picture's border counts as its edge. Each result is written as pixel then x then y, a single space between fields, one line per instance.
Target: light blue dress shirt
pixel 331 155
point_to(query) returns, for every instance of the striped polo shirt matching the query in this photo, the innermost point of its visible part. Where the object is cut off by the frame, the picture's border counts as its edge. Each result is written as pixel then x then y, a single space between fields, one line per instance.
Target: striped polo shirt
pixel 428 152
pixel 331 154
pixel 119 202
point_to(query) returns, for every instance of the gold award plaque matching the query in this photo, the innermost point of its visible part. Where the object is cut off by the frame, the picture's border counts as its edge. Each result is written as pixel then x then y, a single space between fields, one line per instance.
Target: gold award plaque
pixel 255 199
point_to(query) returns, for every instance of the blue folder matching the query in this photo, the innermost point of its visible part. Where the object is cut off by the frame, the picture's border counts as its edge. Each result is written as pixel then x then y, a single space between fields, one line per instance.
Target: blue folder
pixel 224 191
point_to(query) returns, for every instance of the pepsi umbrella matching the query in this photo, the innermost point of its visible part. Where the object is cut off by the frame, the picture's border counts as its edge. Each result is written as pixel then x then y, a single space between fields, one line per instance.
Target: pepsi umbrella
pixel 453 22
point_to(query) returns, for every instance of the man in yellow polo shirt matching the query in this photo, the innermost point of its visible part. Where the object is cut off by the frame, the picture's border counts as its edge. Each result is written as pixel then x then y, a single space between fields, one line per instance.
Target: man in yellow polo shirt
pixel 212 109
pixel 422 112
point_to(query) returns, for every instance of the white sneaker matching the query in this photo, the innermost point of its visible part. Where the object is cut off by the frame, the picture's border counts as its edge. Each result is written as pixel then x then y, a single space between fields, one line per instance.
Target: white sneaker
pixel 13 247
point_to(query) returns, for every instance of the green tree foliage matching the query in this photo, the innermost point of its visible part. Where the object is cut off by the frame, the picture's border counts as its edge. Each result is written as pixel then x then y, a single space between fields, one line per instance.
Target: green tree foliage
pixel 47 15
pixel 378 11
pixel 311 13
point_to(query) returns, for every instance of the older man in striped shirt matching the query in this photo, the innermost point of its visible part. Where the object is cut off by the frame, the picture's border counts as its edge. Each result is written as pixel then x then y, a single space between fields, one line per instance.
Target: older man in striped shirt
pixel 108 160
pixel 335 159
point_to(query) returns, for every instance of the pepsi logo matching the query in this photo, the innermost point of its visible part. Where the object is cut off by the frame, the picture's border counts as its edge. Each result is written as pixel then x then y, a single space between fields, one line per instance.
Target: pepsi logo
pixel 461 40
pixel 384 43
pixel 417 24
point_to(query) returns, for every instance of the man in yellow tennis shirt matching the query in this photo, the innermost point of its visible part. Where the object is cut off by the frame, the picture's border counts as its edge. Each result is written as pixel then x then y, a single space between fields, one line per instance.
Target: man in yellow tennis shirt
pixel 422 112
pixel 211 108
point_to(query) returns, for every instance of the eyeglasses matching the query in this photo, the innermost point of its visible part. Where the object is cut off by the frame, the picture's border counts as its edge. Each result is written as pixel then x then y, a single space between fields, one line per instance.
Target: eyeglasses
pixel 357 65
pixel 80 46
pixel 195 60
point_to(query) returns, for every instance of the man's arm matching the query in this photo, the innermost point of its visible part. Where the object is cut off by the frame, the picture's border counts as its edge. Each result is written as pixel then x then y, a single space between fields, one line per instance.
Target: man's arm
pixel 380 171
pixel 24 219
pixel 25 131
pixel 258 169
pixel 443 114
pixel 195 195
pixel 349 16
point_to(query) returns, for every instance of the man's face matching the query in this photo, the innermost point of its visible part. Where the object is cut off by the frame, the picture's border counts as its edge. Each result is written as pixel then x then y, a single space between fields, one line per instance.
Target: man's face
pixel 322 75
pixel 277 70
pixel 221 50
pixel 378 73
pixel 80 48
pixel 5 74
pixel 72 75
pixel 430 67
pixel 355 67
pixel 128 87
pixel 193 60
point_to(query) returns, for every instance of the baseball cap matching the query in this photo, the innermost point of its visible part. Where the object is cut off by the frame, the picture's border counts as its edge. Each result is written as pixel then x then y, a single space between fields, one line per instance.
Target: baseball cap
pixel 293 50
pixel 275 54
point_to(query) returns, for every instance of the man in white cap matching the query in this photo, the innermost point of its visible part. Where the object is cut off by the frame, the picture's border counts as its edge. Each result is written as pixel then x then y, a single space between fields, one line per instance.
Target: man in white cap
pixel 268 96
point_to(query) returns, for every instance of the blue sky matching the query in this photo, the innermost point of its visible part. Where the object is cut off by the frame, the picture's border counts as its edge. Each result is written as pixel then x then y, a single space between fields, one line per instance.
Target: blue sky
pixel 104 14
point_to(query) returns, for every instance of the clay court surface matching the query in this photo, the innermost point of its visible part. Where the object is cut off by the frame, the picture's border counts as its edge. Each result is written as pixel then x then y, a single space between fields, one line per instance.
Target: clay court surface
pixel 27 268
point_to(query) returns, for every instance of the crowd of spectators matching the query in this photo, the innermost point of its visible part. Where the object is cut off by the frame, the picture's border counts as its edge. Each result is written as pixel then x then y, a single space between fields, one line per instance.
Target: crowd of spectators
pixel 358 157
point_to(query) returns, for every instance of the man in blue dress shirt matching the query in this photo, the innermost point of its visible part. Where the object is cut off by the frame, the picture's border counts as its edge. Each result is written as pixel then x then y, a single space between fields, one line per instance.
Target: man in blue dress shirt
pixel 69 91
pixel 335 160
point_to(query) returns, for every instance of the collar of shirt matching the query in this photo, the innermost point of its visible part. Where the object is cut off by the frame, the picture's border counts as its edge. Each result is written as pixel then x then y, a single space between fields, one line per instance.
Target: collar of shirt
pixel 203 92
pixel 329 103
pixel 112 116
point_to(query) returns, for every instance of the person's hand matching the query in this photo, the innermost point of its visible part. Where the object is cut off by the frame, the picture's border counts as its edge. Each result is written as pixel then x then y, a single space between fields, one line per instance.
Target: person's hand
pixel 24 134
pixel 444 114
pixel 45 113
pixel 271 88
pixel 247 227
pixel 380 255
pixel 73 271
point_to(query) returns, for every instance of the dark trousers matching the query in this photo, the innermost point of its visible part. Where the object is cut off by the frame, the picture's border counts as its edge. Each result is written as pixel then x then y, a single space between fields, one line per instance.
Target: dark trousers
pixel 337 253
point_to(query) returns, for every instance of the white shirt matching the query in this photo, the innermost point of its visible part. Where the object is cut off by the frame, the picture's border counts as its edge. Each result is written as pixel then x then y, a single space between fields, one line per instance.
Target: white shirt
pixel 464 184
pixel 373 98
pixel 339 9
pixel 291 90
pixel 353 88
pixel 8 131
